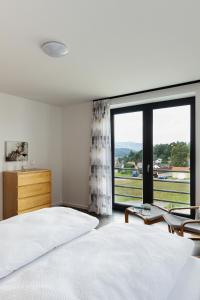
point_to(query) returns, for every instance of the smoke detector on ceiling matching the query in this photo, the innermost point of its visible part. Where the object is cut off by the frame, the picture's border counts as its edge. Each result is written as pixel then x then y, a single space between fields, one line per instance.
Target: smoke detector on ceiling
pixel 54 49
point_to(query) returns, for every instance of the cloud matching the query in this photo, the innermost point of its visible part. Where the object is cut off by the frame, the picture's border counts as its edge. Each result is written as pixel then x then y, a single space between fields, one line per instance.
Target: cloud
pixel 170 125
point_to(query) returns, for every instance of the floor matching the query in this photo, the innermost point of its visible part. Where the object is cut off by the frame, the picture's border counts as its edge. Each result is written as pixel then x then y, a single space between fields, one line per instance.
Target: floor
pixel 118 217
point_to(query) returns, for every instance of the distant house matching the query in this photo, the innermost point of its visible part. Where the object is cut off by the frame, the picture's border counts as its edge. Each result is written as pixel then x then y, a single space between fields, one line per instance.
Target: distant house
pixel 158 161
pixel 156 166
pixel 140 165
pixel 130 164
pixel 119 165
pixel 180 173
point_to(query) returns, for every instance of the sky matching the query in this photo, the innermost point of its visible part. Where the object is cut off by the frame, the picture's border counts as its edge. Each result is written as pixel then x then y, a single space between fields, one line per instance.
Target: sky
pixel 169 125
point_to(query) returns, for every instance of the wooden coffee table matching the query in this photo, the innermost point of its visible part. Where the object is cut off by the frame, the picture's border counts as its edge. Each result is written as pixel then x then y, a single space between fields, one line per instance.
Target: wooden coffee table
pixel 155 214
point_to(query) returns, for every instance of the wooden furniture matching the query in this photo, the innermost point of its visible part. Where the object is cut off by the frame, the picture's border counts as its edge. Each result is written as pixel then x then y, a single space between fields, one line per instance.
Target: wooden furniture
pixel 155 214
pixel 25 191
pixel 183 226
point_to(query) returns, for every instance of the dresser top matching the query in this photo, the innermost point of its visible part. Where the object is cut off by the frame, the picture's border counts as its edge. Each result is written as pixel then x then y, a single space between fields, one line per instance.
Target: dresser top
pixel 27 171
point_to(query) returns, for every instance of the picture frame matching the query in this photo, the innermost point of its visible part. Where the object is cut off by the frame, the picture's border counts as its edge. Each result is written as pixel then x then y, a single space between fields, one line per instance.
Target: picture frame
pixel 16 151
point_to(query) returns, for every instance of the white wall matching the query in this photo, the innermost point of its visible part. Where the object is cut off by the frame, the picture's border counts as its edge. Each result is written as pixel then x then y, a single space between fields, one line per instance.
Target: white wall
pixel 77 127
pixel 41 126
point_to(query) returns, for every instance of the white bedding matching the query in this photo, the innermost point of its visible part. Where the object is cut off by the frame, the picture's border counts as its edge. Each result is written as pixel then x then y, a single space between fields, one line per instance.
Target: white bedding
pixel 187 287
pixel 119 261
pixel 27 237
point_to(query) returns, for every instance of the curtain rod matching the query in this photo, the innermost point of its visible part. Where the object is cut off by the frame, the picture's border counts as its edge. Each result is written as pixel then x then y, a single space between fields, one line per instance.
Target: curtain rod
pixel 149 90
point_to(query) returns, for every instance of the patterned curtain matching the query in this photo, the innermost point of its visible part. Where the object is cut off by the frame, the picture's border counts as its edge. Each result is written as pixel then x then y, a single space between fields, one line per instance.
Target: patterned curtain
pixel 100 160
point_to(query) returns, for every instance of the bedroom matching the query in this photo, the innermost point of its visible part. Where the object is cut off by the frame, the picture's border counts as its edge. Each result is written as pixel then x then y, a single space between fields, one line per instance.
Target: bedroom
pixel 131 54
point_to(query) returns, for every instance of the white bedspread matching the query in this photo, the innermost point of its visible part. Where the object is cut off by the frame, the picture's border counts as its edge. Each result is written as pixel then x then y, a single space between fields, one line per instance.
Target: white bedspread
pixel 117 262
pixel 187 286
pixel 27 237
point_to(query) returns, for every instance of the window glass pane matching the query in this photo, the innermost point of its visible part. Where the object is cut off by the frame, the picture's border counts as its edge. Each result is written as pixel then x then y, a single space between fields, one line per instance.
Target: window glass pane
pixel 171 156
pixel 128 153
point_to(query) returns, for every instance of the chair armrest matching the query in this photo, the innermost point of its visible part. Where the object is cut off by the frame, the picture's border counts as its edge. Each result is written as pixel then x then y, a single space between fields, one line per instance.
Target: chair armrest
pixel 190 222
pixel 186 223
pixel 181 208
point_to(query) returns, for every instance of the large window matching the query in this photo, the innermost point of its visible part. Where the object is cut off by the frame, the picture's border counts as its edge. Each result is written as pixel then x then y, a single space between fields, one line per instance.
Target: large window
pixel 153 154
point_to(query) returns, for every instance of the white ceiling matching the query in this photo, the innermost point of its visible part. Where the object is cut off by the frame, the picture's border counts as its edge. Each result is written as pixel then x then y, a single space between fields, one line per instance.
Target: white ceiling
pixel 116 46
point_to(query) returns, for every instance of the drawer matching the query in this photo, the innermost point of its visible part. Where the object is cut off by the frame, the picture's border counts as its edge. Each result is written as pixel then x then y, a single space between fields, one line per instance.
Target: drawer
pixel 34 189
pixel 30 202
pixel 33 208
pixel 33 178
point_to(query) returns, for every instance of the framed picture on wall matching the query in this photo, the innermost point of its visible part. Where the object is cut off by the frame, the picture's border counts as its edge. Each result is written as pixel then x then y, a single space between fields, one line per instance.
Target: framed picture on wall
pixel 16 151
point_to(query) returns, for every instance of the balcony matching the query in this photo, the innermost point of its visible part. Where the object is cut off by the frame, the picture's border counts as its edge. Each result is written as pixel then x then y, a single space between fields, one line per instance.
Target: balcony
pixel 170 188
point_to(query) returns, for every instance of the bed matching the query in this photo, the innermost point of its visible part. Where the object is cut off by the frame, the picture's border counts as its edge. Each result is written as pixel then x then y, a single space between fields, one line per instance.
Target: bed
pixel 56 254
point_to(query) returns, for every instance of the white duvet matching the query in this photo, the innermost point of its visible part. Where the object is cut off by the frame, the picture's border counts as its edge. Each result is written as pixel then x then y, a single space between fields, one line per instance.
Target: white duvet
pixel 26 237
pixel 119 261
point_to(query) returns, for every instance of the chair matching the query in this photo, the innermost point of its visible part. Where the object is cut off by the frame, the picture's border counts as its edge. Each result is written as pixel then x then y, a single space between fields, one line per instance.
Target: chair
pixel 181 225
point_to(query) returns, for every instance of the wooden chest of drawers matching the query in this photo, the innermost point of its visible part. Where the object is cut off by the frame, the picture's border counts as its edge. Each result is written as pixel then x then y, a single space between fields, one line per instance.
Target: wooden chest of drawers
pixel 25 191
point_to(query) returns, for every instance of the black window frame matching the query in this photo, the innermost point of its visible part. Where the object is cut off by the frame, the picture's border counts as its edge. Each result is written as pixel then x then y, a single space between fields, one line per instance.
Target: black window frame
pixel 148 150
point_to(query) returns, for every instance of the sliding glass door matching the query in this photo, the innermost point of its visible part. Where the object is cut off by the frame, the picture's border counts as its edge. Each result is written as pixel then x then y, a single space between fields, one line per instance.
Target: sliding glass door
pixel 153 154
pixel 171 156
pixel 128 158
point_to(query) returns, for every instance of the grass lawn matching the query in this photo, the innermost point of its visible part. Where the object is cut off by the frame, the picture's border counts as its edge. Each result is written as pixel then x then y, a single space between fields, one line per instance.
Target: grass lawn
pixel 136 183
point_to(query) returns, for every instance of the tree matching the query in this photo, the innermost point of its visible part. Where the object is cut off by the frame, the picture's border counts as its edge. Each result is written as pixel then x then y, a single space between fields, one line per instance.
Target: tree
pixel 174 154
pixel 162 151
pixel 133 157
pixel 180 154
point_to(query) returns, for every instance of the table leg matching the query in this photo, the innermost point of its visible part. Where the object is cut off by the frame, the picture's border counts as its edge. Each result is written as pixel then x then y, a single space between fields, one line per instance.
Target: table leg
pixel 126 215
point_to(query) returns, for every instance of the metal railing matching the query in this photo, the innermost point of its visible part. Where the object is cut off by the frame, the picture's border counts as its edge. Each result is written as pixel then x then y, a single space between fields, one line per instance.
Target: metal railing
pixel 155 180
pixel 159 170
